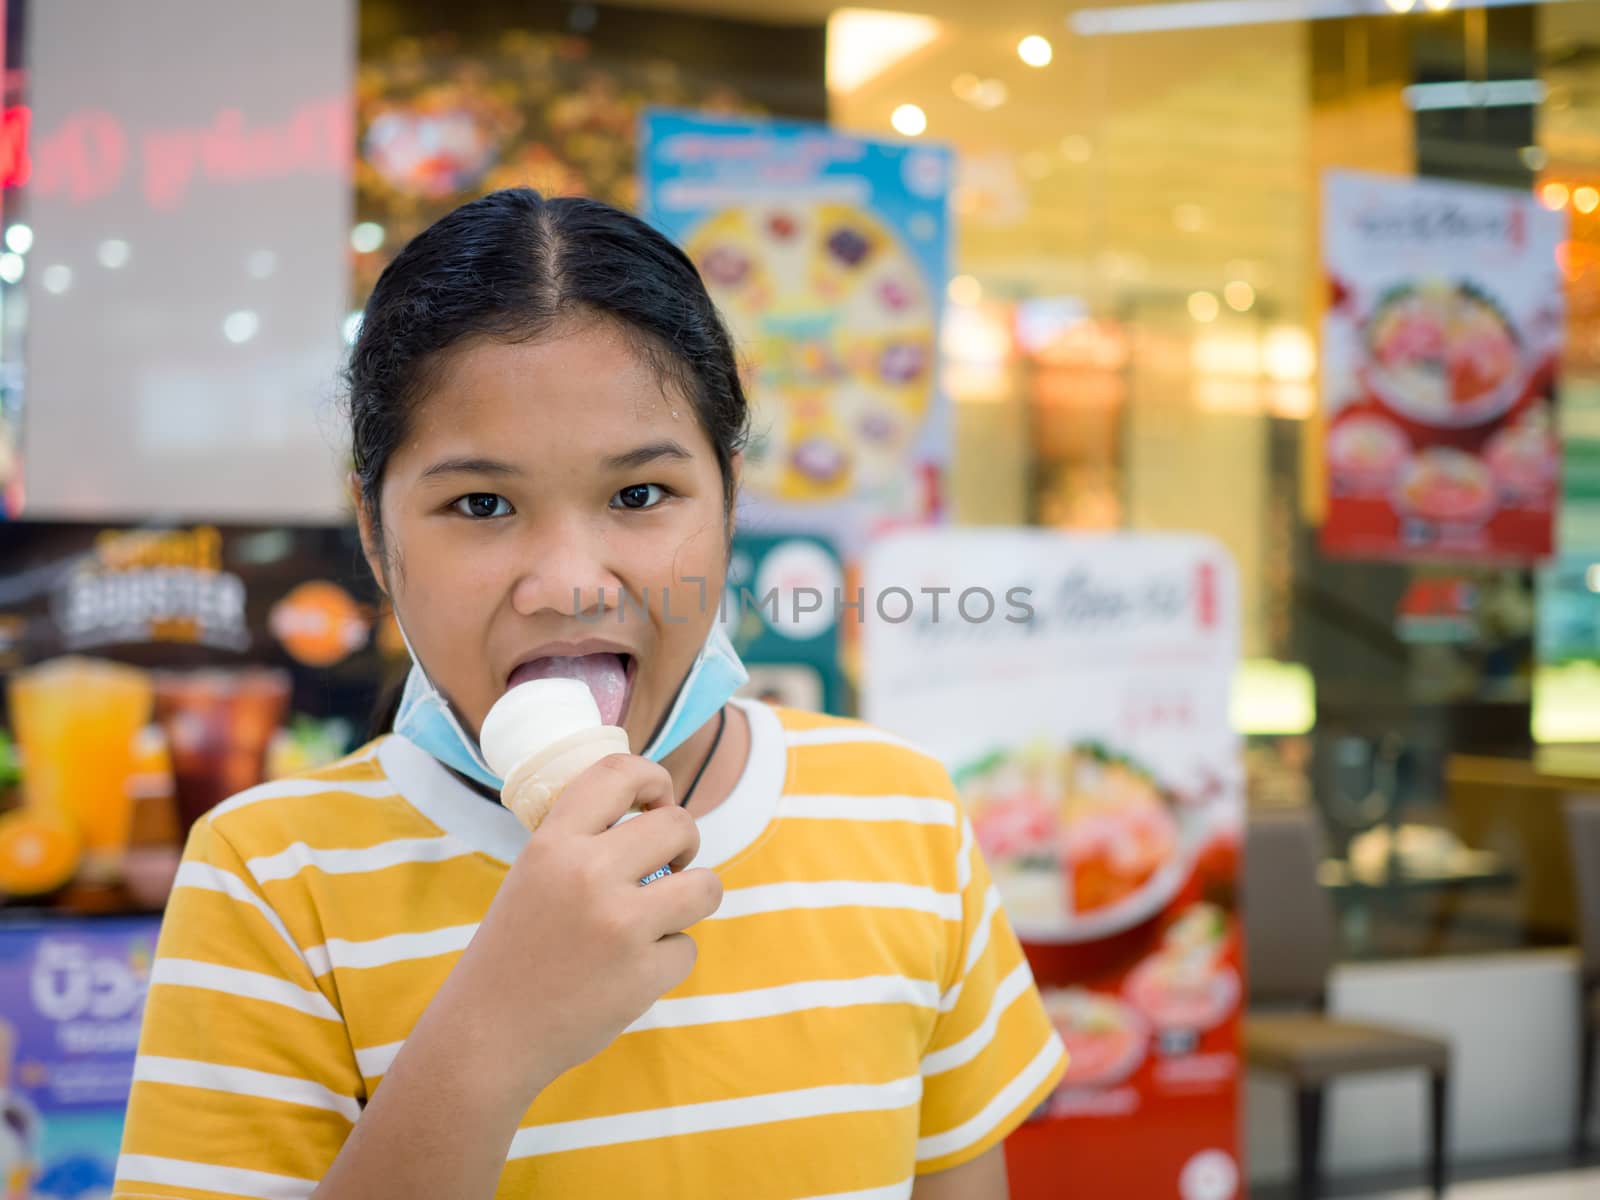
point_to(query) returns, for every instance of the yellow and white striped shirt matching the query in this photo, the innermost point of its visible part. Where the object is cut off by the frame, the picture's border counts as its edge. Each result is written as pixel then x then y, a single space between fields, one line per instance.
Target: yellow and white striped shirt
pixel 860 1011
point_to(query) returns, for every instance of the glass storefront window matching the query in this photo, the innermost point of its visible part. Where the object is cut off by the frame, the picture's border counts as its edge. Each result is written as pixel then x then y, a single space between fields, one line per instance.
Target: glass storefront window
pixel 1133 342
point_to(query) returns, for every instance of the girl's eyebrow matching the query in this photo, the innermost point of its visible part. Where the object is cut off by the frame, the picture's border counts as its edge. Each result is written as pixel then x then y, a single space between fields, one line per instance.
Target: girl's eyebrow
pixel 650 452
pixel 471 466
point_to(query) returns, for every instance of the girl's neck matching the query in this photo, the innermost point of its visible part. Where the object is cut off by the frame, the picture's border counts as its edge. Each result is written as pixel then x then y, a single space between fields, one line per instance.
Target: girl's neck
pixel 724 768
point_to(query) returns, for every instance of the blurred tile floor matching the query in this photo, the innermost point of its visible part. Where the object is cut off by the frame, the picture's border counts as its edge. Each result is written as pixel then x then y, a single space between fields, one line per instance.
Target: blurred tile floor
pixel 1568 1185
pixel 1550 1177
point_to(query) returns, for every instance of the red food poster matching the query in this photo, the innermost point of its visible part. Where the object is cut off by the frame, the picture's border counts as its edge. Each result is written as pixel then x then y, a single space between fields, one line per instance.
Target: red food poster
pixel 1077 688
pixel 1441 343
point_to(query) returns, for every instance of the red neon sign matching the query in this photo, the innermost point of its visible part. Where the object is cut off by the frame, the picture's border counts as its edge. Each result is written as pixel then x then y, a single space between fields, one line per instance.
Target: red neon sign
pixel 90 154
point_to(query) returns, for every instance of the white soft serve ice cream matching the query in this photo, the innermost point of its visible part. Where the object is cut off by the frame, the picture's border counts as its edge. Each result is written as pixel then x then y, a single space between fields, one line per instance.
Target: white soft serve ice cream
pixel 539 736
pixel 534 715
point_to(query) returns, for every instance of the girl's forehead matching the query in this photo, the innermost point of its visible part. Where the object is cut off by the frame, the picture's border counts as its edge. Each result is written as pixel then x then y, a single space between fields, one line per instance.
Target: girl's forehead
pixel 584 390
pixel 590 371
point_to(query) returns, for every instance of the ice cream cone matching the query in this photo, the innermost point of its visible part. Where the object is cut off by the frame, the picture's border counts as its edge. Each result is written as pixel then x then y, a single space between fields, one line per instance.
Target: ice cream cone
pixel 532 788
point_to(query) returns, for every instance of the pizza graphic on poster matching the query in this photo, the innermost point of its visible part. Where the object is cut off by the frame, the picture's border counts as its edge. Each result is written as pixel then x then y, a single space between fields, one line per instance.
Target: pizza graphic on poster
pixel 836 316
pixel 826 256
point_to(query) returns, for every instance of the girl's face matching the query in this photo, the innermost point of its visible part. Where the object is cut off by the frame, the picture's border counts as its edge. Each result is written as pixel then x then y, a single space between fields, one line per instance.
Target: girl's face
pixel 549 514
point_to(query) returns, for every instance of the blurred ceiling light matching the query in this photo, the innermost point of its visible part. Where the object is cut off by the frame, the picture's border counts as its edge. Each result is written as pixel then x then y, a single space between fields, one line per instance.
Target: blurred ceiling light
pixel 56 278
pixel 12 266
pixel 1203 307
pixel 1292 401
pixel 1190 218
pixel 113 254
pixel 239 327
pixel 352 327
pixel 964 289
pixel 978 335
pixel 976 347
pixel 367 237
pixel 909 120
pixel 1270 697
pixel 1236 355
pixel 1289 355
pixel 966 86
pixel 1436 5
pixel 1076 148
pixel 1586 199
pixel 1035 51
pixel 1535 158
pixel 991 94
pixel 1566 703
pixel 1241 297
pixel 1497 93
pixel 261 264
pixel 1225 394
pixel 1554 196
pixel 1123 268
pixel 865 42
pixel 19 239
pixel 1217 14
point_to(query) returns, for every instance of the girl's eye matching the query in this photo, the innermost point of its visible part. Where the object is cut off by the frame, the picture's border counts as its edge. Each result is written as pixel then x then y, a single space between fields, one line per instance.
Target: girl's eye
pixel 639 495
pixel 482 505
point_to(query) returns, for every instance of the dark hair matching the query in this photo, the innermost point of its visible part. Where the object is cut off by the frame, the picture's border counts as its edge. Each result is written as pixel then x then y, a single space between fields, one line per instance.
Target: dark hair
pixel 509 266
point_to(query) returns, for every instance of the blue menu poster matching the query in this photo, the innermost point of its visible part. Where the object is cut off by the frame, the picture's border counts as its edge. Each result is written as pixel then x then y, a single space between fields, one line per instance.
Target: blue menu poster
pixel 72 995
pixel 827 255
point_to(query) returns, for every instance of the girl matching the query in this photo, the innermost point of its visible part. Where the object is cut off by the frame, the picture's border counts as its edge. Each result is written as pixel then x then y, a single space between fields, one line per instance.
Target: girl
pixel 547 419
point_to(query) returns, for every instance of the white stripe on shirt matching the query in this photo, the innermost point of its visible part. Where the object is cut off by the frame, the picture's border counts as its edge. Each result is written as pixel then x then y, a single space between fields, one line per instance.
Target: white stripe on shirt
pixel 787 998
pixel 980 935
pixel 980 943
pixel 895 1191
pixel 1001 1105
pixel 202 876
pixel 202 1177
pixel 964 856
pixel 289 862
pixel 231 981
pixel 396 947
pixel 681 1012
pixel 241 1081
pixel 281 788
pixel 374 1062
pixel 709 1116
pixel 919 810
pixel 975 1043
pixel 844 735
pixel 781 897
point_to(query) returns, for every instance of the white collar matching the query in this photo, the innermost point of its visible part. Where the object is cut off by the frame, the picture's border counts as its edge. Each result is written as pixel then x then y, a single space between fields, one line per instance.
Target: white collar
pixel 726 831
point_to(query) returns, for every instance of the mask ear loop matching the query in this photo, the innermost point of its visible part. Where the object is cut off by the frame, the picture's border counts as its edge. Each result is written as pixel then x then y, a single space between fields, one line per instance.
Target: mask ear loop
pixel 436 697
pixel 717 645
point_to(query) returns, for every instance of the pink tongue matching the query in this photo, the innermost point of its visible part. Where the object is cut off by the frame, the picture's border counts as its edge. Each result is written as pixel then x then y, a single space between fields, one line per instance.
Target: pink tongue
pixel 604 674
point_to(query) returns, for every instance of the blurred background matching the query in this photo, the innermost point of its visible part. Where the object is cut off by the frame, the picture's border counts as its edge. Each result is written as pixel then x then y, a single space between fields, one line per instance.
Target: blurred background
pixel 1315 281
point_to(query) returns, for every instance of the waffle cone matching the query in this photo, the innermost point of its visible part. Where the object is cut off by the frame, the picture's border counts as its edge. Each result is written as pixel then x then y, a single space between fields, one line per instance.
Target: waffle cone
pixel 531 789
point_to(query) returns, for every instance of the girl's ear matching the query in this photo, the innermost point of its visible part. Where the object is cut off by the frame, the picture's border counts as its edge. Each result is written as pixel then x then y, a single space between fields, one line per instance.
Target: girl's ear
pixel 371 538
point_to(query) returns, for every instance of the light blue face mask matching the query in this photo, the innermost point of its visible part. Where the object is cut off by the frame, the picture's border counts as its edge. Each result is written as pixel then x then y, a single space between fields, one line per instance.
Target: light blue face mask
pixel 426 719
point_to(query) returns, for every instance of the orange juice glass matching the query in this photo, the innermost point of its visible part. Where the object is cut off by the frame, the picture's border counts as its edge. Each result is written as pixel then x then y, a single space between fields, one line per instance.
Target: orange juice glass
pixel 76 720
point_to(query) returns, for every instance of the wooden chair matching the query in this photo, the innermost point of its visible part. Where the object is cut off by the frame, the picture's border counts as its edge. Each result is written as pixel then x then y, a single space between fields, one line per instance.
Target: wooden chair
pixel 1583 845
pixel 1289 943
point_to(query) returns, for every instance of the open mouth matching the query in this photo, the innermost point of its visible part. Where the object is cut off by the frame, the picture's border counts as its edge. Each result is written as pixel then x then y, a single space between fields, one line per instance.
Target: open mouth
pixel 609 676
